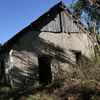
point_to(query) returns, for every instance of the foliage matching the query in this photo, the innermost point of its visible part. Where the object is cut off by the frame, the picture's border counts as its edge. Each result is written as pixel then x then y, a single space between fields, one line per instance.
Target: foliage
pixel 88 70
pixel 40 96
pixel 5 89
pixel 89 10
pixel 88 7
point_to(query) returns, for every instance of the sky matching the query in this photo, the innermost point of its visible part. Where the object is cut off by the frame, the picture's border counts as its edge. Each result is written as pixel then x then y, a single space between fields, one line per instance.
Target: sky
pixel 17 14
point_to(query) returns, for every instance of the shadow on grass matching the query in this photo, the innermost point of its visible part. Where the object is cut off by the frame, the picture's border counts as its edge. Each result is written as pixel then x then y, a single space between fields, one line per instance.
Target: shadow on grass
pixel 26 92
pixel 70 90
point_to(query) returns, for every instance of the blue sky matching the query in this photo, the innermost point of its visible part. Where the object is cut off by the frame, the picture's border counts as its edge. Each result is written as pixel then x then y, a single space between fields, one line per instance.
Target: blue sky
pixel 17 14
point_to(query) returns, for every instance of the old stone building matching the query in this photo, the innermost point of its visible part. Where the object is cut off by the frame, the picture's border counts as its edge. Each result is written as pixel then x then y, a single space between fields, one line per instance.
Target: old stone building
pixel 57 38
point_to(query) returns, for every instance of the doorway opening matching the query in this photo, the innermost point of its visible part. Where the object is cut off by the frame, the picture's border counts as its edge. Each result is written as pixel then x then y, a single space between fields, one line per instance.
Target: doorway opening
pixel 78 57
pixel 2 69
pixel 45 74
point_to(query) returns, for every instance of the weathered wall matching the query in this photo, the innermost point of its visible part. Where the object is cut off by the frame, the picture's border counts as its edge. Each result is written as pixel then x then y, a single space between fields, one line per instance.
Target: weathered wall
pixel 23 57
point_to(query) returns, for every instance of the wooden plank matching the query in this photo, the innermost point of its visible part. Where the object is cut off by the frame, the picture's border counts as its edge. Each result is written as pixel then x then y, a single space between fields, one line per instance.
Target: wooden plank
pixel 51 23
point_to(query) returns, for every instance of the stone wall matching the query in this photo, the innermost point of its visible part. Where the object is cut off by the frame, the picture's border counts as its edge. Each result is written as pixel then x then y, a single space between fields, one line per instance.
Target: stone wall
pixel 23 57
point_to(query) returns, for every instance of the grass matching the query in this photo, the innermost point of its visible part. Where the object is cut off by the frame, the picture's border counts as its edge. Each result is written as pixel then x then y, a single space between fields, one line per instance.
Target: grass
pixel 5 89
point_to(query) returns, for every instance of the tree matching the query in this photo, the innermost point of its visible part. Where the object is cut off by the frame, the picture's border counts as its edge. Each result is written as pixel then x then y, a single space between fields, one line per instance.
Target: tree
pixel 90 11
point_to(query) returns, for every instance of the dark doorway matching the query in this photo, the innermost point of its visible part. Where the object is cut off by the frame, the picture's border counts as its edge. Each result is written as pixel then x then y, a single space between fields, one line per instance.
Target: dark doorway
pixel 78 57
pixel 2 69
pixel 45 74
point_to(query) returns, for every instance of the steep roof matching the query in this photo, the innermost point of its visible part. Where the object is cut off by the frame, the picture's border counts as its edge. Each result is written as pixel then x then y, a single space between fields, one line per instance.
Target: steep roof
pixel 58 6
